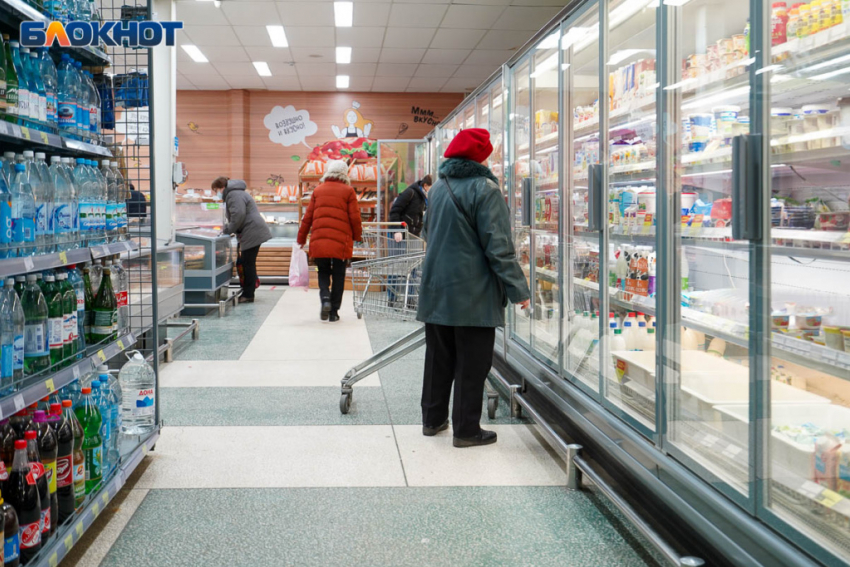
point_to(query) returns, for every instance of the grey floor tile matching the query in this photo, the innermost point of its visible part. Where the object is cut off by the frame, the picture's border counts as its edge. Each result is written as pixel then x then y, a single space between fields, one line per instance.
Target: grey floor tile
pixel 457 527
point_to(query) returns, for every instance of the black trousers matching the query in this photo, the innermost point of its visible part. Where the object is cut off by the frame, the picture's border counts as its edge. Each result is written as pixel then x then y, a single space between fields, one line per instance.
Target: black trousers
pixel 459 355
pixel 249 271
pixel 331 280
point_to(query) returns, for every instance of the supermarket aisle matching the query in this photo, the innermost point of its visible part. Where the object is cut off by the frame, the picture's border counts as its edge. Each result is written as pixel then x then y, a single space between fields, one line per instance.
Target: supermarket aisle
pixel 256 466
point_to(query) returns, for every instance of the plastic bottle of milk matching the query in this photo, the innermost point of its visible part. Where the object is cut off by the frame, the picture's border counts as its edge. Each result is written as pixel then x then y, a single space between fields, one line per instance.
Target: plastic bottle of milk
pixel 650 339
pixel 643 337
pixel 629 335
pixel 617 342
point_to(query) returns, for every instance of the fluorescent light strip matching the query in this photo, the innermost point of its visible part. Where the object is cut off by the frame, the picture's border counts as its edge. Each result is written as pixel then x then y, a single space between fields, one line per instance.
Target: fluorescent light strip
pixel 675 2
pixel 829 63
pixel 546 65
pixel 342 81
pixel 831 74
pixel 277 35
pixel 549 42
pixel 343 55
pixel 262 68
pixel 195 53
pixel 344 14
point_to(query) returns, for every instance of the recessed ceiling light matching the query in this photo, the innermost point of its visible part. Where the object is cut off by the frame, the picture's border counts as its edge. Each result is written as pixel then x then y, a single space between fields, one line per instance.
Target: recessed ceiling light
pixel 343 55
pixel 278 36
pixel 262 68
pixel 342 81
pixel 195 53
pixel 344 14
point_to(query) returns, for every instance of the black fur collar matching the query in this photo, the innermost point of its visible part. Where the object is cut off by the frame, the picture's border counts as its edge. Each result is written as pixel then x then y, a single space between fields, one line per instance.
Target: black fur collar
pixel 460 168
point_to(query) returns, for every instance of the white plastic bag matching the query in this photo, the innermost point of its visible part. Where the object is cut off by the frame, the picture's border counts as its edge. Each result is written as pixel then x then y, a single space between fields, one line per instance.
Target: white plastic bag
pixel 299 275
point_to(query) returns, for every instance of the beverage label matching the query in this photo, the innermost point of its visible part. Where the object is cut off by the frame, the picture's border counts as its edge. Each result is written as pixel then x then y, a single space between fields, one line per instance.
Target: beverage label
pixel 55 328
pixel 37 470
pixel 4 474
pixel 145 400
pixel 102 323
pixel 23 102
pixel 93 463
pixel 81 301
pixel 41 219
pixel 111 219
pixel 50 469
pixel 101 215
pixel 122 215
pixel 69 327
pixel 5 222
pixel 51 107
pixel 93 119
pixel 65 471
pixel 23 230
pixel 87 214
pixel 3 94
pixel 61 218
pixel 6 362
pixel 80 478
pixel 18 353
pixel 42 107
pixel 12 548
pixel 122 298
pixel 67 113
pixel 35 112
pixel 30 535
pixel 12 99
pixel 35 339
pixel 45 523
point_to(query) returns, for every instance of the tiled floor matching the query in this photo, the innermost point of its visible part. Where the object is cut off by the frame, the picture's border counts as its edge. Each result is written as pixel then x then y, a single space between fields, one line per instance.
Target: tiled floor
pixel 256 465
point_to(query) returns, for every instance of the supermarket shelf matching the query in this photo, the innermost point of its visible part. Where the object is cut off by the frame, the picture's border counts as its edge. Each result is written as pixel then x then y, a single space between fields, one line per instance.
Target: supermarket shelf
pixel 617 118
pixel 544 141
pixel 17 266
pixel 41 386
pixel 70 534
pixel 21 136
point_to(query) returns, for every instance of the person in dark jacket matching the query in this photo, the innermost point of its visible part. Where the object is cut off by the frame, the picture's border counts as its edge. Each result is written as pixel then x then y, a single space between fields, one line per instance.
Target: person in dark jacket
pixel 469 274
pixel 244 220
pixel 409 207
pixel 333 222
pixel 137 205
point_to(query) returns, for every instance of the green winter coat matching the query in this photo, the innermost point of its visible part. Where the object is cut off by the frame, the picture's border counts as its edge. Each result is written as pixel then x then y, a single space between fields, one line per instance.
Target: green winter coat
pixel 470 272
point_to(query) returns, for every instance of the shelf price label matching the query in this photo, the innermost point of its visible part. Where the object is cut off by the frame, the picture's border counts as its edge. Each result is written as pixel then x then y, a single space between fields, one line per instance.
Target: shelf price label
pixel 25 132
pixel 105 497
pixel 69 542
pixel 79 528
pixel 829 498
pixel 101 355
pixel 19 402
pixel 76 372
pixel 647 224
pixel 54 559
pixel 28 264
pixel 95 509
pixel 50 386
pixel 120 344
pixel 63 257
pixel 44 137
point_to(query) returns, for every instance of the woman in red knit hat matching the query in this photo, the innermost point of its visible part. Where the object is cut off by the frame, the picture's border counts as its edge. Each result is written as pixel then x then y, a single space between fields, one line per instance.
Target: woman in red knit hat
pixel 469 274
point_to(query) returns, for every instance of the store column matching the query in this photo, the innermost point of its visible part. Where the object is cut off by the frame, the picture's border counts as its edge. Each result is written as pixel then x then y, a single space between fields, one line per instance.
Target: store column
pixel 164 97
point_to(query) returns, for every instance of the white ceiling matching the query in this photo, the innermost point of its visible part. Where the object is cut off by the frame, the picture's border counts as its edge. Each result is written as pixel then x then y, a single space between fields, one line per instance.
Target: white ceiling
pixel 397 45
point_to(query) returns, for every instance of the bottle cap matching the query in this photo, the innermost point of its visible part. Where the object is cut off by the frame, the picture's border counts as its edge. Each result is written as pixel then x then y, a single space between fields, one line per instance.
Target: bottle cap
pixel 86 391
pixel 642 324
pixel 40 155
pixel 45 399
pixel 49 278
pixel 613 324
pixel 67 403
pixel 618 332
pixel 56 409
pixel 10 281
pixel 95 384
pixel 30 435
pixel 20 167
pixel 22 413
pixel 651 331
pixel 20 444
pixel 39 416
pixel 628 323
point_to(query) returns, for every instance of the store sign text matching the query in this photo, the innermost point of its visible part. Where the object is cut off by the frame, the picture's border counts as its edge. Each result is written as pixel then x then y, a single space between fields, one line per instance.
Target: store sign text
pixel 82 34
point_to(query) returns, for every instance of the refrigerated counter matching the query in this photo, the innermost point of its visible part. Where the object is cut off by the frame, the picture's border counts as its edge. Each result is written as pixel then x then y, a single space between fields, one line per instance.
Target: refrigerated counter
pixel 208 265
pixel 682 212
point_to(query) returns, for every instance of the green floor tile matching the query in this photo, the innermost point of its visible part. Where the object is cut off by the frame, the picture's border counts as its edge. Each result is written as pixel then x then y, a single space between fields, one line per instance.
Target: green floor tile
pixel 376 527
pixel 269 406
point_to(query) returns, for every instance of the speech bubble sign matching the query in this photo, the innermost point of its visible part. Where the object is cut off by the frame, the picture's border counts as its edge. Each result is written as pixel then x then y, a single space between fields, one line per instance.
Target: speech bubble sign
pixel 288 126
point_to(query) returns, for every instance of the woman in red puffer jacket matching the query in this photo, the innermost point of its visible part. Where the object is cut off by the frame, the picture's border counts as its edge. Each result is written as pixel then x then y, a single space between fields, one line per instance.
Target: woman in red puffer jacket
pixel 333 221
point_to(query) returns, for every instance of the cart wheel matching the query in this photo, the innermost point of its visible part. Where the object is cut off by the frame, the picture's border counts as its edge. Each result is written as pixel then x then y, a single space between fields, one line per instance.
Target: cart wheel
pixel 359 315
pixel 345 403
pixel 492 404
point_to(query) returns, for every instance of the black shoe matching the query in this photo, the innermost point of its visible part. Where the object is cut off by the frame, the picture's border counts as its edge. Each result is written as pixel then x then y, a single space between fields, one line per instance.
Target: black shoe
pixel 483 438
pixel 431 431
pixel 334 317
pixel 326 310
pixel 246 300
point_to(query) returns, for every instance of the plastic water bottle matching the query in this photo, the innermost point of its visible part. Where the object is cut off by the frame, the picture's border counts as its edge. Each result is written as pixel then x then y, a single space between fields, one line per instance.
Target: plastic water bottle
pixel 67 169
pixel 59 223
pixel 5 218
pixel 32 85
pixel 36 351
pixel 85 205
pixel 40 98
pixel 121 286
pixel 70 329
pixel 94 110
pixel 83 103
pixel 51 86
pixel 23 81
pixel 101 397
pixel 138 393
pixel 23 213
pixel 11 337
pixel 111 204
pixel 8 164
pixel 110 396
pixel 102 200
pixel 75 279
pixel 116 403
pixel 42 188
pixel 121 199
pixel 96 274
pixel 68 89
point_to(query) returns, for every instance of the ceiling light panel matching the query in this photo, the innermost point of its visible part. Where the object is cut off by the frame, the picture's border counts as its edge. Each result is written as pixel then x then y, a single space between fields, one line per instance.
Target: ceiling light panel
pixel 277 35
pixel 344 14
pixel 262 68
pixel 343 55
pixel 195 53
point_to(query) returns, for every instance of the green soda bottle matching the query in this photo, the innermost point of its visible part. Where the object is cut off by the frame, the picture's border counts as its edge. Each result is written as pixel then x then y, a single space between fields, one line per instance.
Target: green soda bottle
pixel 89 296
pixel 89 418
pixel 105 312
pixel 36 351
pixel 70 331
pixel 55 319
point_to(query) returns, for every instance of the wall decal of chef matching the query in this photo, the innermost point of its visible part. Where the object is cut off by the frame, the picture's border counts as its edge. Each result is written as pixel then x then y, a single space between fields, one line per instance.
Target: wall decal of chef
pixel 355 125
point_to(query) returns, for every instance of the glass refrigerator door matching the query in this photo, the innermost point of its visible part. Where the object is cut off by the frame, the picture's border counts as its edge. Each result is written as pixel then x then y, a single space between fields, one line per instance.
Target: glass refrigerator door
pixel 630 274
pixel 545 170
pixel 521 187
pixel 708 97
pixel 808 431
pixel 482 111
pixel 496 126
pixel 580 68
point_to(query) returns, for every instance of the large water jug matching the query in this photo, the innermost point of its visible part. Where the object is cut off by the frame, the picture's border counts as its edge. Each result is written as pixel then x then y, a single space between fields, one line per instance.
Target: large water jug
pixel 138 393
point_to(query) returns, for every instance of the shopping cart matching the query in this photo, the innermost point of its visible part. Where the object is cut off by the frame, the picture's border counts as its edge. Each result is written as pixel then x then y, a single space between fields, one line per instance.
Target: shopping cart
pixel 386 285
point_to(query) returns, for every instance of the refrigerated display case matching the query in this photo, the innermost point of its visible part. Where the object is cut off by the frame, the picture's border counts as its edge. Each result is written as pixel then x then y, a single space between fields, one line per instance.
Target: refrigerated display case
pixel 208 263
pixel 677 174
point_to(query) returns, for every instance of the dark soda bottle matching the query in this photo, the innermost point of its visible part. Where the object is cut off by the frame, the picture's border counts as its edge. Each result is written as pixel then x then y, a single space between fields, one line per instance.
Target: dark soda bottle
pixel 20 423
pixel 12 536
pixel 47 449
pixel 37 468
pixel 22 494
pixel 64 461
pixel 5 456
pixel 79 458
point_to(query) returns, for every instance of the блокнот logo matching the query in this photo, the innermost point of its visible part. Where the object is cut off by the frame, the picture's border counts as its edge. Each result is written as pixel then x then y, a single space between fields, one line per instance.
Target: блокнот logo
pixel 127 33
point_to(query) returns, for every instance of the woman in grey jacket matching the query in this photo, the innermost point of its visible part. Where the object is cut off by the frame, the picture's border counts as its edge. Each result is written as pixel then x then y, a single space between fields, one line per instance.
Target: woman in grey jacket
pixel 244 220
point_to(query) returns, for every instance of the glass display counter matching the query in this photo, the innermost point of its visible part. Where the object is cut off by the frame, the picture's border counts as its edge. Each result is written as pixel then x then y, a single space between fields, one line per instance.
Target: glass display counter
pixel 169 270
pixel 209 262
pixel 189 213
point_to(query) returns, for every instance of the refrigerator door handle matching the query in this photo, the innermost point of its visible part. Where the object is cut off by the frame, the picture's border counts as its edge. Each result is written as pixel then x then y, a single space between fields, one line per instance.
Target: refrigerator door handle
pixel 527 200
pixel 746 187
pixel 595 201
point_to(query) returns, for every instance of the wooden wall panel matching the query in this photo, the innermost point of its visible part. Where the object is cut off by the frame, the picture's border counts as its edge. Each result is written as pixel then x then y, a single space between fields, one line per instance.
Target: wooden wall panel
pixel 222 132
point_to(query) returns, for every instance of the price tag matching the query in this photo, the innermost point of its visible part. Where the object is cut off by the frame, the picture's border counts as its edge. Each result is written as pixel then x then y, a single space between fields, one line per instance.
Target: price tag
pixel 105 498
pixel 54 559
pixel 76 371
pixel 696 224
pixel 95 509
pixel 50 386
pixel 63 257
pixel 144 449
pixel 25 132
pixel 647 224
pixel 3 128
pixel 44 137
pixel 101 355
pixel 829 498
pixel 28 264
pixel 19 402
pixel 709 440
pixel 69 542
pixel 79 528
pixel 120 344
